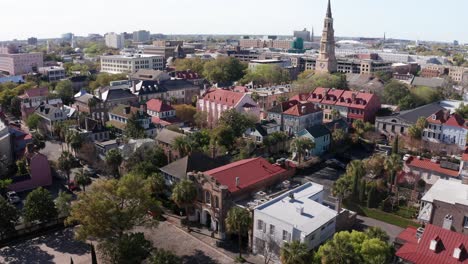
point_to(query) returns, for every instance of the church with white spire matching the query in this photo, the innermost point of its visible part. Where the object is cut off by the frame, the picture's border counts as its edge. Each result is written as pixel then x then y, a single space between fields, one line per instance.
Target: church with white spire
pixel 326 62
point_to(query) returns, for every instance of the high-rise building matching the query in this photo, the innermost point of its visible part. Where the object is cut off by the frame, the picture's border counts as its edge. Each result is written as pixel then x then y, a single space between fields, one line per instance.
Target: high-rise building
pixel 303 34
pixel 141 36
pixel 32 41
pixel 114 40
pixel 326 62
pixel 67 36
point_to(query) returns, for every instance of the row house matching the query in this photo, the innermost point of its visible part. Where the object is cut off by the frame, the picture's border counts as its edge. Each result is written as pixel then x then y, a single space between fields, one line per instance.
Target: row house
pixel 119 115
pixel 116 95
pixel 351 105
pixel 294 116
pixel 177 91
pixel 216 101
pixel 50 115
pixel 34 97
pixel 219 189
pixel 431 170
pixel 39 173
pixel 92 106
pixel 446 128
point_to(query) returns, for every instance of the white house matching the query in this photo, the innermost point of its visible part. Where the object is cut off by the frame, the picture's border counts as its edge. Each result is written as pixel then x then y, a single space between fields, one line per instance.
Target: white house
pixel 446 128
pixel 298 215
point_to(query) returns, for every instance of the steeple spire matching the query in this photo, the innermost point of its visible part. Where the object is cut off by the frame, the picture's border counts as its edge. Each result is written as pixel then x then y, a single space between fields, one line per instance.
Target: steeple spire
pixel 329 13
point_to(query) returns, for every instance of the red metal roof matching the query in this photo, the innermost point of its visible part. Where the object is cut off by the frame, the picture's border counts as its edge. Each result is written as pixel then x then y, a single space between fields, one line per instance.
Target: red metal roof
pixel 408 235
pixel 318 94
pixel 427 164
pixel 223 97
pixel 301 109
pixel 456 121
pixel 158 105
pixel 249 171
pixel 465 154
pixel 354 99
pixel 420 253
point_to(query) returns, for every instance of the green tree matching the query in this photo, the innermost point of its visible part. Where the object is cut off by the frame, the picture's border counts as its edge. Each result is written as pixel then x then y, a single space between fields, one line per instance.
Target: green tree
pixel 201 119
pixel 224 70
pixel 223 136
pixel 239 122
pixel 113 161
pixel 64 90
pixel 39 206
pixel 392 165
pixel 238 221
pixel 83 179
pixel 21 165
pixel 161 256
pixel 146 160
pixel 130 248
pixel 308 82
pixel 8 218
pixel 338 136
pixel 15 107
pixel 266 75
pixel 184 195
pixel 182 145
pixel 133 129
pixel 194 64
pixel 294 253
pixel 376 232
pixel 362 190
pixel 38 141
pixel 62 203
pixel 395 146
pixel 356 171
pixel 104 79
pixel 371 197
pixel 186 113
pixel 65 163
pixel 394 92
pixel 300 145
pixel 353 247
pixel 33 121
pixel 76 142
pixel 120 204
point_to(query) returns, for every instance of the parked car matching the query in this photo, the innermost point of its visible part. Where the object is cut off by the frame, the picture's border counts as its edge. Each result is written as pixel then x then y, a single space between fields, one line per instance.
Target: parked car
pixel 72 186
pixel 406 157
pixel 13 197
pixel 335 163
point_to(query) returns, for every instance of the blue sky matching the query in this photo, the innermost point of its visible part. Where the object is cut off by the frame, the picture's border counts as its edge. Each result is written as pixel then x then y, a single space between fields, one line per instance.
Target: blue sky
pixel 411 19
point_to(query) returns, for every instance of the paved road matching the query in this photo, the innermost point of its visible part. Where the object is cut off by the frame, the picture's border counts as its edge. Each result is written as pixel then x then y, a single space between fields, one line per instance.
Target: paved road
pixel 55 247
pixel 392 230
pixel 192 250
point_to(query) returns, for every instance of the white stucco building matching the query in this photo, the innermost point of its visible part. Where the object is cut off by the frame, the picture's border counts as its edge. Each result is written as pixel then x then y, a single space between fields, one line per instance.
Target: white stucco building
pixel 114 40
pixel 131 63
pixel 298 215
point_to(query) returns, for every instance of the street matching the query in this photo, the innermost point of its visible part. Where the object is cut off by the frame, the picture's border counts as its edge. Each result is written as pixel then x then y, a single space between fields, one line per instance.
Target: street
pixel 364 222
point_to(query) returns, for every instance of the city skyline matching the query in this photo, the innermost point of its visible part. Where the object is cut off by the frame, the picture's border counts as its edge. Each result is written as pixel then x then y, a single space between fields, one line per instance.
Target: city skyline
pixel 400 19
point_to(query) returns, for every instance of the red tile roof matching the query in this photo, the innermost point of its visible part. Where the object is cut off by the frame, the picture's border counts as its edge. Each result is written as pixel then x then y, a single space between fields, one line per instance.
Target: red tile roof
pixel 300 97
pixel 420 253
pixel 332 96
pixel 301 109
pixel 35 92
pixel 223 97
pixel 354 99
pixel 158 105
pixel 427 164
pixel 456 121
pixel 249 171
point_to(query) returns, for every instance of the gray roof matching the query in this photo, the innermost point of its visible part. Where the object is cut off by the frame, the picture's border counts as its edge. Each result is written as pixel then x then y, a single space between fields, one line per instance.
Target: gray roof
pixel 50 111
pixel 412 115
pixel 318 131
pixel 429 82
pixel 167 136
pixel 194 162
pixel 263 126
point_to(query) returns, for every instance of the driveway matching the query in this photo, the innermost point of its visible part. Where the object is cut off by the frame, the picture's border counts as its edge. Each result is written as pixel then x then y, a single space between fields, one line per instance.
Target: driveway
pixel 364 222
pixel 190 249
pixel 54 247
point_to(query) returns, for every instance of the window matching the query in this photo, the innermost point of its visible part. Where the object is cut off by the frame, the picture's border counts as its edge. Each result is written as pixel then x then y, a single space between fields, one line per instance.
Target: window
pixel 207 197
pixel 259 224
pixel 465 222
pixel 216 202
pixel 286 236
pixel 272 229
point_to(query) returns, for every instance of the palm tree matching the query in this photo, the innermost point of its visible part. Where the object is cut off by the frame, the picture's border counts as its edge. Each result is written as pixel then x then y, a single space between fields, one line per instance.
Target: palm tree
pixel 82 179
pixel 356 171
pixel 238 221
pixel 114 160
pixel 182 145
pixel 294 253
pixel 392 165
pixel 65 163
pixel 300 145
pixel 184 194
pixel 341 189
pixel 76 142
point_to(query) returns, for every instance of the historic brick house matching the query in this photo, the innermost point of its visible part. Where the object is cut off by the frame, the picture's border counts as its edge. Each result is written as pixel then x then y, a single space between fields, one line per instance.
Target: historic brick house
pixel 91 105
pixel 352 105
pixel 220 188
pixel 216 101
pixel 295 116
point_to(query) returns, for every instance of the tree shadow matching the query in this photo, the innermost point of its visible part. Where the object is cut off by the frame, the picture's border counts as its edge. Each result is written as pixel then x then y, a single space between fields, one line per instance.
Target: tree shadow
pixel 63 241
pixel 198 258
pixel 359 225
pixel 26 253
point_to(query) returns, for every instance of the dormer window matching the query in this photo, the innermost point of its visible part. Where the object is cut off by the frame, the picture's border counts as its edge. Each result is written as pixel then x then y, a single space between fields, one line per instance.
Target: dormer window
pixel 434 243
pixel 457 252
pixel 364 102
pixel 434 117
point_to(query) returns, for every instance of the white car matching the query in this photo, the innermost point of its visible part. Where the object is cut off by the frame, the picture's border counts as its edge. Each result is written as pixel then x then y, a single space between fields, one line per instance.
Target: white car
pixel 13 197
pixel 406 157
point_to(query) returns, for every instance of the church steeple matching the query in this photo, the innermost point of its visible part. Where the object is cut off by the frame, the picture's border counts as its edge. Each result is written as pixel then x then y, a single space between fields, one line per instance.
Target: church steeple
pixel 326 62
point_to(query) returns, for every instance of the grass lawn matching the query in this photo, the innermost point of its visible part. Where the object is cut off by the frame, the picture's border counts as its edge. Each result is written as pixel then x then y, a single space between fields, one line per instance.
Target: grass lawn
pixel 380 215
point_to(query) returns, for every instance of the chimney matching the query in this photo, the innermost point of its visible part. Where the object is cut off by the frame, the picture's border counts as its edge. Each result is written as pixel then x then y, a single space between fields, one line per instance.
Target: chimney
pixel 133 86
pixel 303 109
pixel 353 96
pixel 99 93
pixel 291 196
pixel 237 182
pixel 300 210
pixel 447 224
